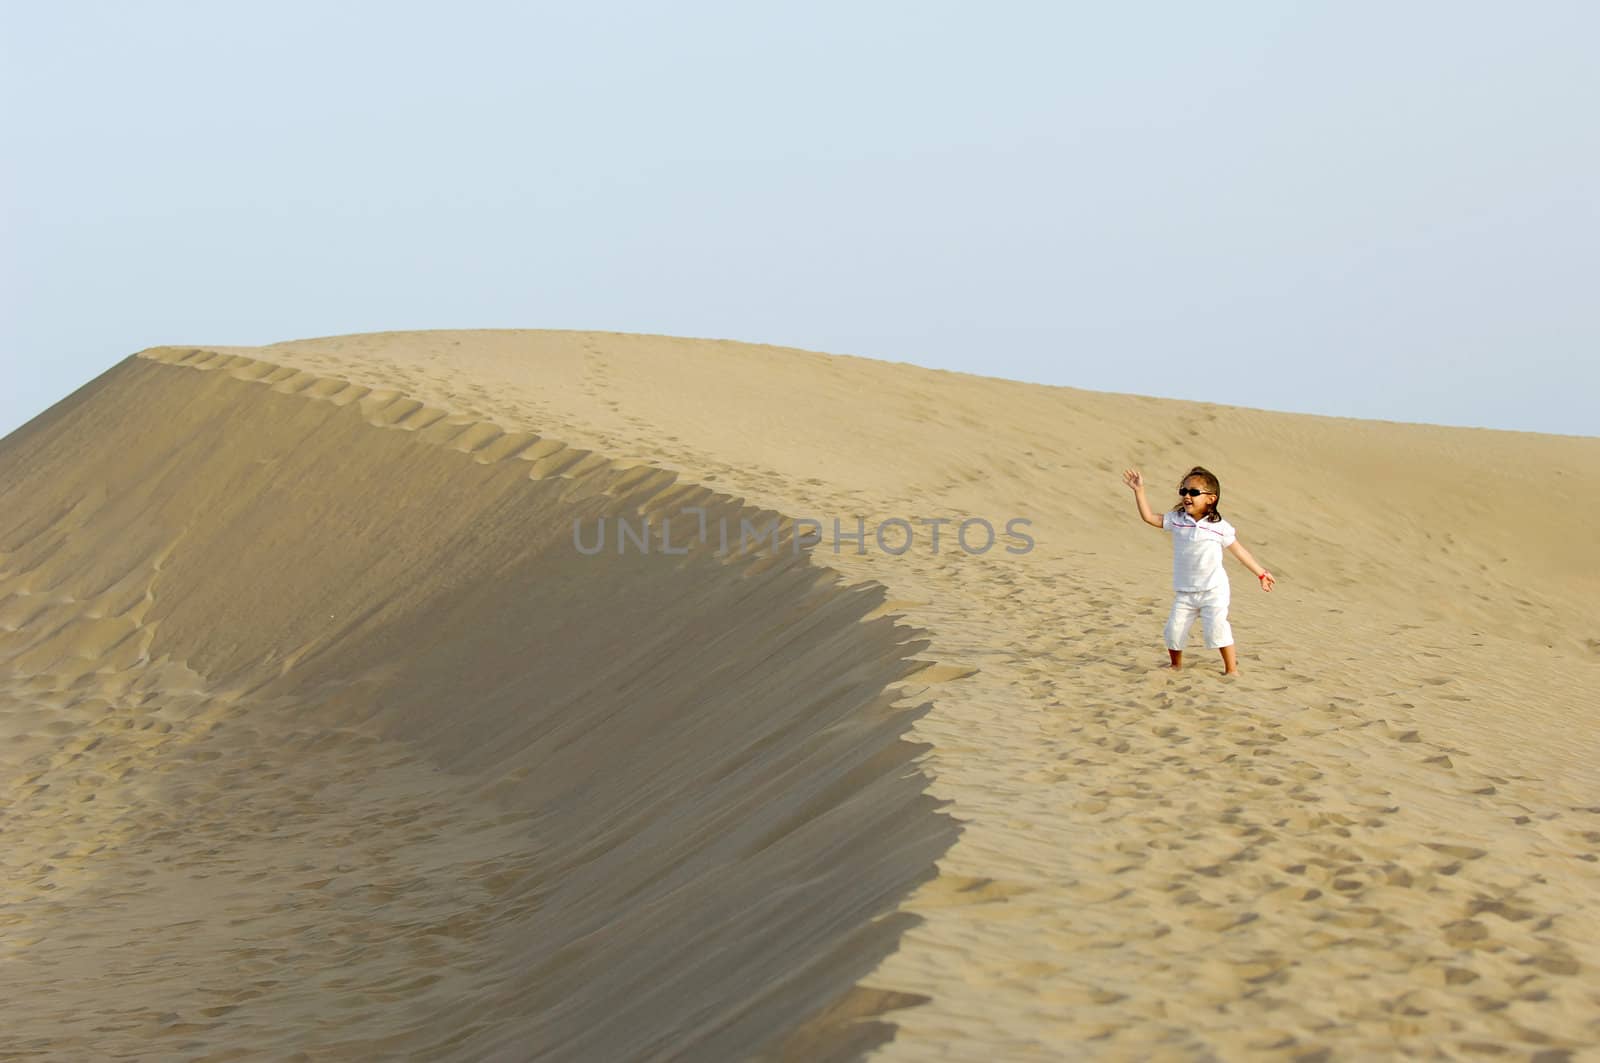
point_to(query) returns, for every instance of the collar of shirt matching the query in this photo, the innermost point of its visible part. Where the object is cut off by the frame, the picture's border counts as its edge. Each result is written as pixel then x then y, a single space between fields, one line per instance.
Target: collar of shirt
pixel 1183 520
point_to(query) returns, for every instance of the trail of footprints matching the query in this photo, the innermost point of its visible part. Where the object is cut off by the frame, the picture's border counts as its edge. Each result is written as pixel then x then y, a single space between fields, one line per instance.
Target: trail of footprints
pixel 1245 861
pixel 1264 818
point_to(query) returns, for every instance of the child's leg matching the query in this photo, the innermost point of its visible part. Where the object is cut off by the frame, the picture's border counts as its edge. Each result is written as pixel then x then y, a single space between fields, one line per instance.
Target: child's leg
pixel 1185 608
pixel 1218 632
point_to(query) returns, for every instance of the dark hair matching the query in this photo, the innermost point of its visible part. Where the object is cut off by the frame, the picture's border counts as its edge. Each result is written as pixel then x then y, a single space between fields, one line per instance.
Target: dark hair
pixel 1209 481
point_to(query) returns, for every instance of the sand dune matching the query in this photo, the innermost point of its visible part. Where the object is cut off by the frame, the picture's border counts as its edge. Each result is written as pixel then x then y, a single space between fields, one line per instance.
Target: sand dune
pixel 322 736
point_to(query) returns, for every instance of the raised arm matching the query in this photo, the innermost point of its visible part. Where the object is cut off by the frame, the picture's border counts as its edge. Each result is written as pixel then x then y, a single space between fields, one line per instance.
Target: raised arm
pixel 1135 480
pixel 1249 562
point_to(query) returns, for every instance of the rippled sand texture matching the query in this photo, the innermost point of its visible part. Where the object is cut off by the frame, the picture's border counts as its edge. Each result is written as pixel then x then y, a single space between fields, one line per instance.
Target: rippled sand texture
pixel 321 738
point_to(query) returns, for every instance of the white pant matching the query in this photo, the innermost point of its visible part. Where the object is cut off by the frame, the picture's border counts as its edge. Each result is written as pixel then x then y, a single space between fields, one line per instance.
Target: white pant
pixel 1212 608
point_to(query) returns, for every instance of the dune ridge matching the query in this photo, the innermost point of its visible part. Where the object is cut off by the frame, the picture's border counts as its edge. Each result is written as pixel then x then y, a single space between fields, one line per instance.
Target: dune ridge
pixel 1381 839
pixel 322 738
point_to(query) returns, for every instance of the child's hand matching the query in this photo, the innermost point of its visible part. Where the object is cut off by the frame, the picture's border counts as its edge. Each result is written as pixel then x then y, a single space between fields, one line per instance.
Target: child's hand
pixel 1266 581
pixel 1133 478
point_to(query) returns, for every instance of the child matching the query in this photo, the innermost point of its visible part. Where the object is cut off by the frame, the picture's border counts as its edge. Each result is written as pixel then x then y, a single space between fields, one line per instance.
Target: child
pixel 1199 535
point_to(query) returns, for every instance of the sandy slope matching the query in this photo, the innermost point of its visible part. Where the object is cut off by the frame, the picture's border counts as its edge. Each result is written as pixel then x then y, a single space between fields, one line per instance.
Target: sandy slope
pixel 321 736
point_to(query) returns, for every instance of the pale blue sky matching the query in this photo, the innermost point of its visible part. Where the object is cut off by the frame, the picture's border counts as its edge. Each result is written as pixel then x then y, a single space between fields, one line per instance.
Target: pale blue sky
pixel 1366 209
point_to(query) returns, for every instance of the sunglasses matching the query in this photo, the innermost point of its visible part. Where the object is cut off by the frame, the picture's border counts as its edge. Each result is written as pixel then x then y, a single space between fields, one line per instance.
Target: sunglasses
pixel 1190 492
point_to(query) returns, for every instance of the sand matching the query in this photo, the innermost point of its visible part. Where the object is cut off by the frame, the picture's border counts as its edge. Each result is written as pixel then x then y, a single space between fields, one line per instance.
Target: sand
pixel 323 739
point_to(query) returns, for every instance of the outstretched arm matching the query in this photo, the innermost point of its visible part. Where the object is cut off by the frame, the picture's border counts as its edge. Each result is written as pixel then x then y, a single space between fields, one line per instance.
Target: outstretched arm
pixel 1249 562
pixel 1135 479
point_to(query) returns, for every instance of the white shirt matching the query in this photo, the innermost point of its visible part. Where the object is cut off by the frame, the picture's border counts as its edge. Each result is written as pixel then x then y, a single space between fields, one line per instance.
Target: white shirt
pixel 1197 551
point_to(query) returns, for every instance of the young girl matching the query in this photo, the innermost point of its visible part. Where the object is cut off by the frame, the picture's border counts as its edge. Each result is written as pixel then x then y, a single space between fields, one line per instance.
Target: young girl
pixel 1199 535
